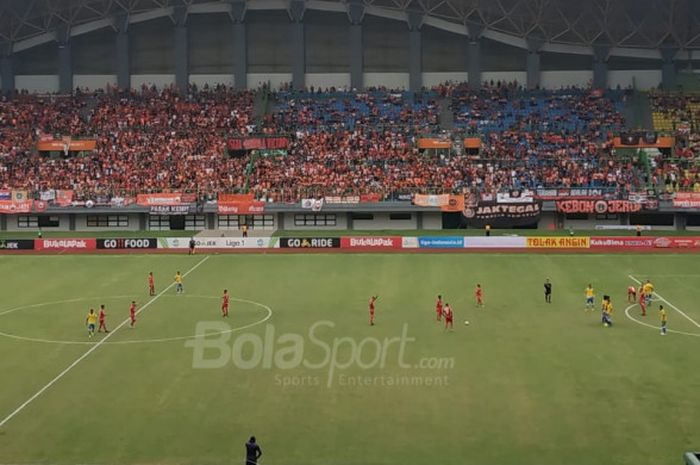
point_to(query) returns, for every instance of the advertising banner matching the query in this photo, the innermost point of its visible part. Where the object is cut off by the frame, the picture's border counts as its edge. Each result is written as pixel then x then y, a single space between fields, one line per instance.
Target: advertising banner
pixel 241 208
pixel 500 242
pixel 409 242
pixel 618 242
pixel 165 198
pixel 16 244
pixel 216 242
pixel 127 243
pixel 169 210
pixel 687 200
pixel 422 200
pixel 598 206
pixel 677 242
pixel 558 242
pixel 371 243
pixel 9 206
pixel 441 242
pixel 310 242
pixel 503 215
pixel 65 244
pixel 66 145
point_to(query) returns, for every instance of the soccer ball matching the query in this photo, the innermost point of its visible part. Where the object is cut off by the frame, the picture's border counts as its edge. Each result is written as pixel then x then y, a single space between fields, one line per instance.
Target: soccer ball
pixel 466 323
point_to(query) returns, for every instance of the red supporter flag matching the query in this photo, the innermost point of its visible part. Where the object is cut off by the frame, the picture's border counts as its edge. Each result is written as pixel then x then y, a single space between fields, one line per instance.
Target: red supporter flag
pixel 11 207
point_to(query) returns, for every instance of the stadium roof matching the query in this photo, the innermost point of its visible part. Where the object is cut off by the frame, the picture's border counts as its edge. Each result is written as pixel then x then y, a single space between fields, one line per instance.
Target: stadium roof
pixel 621 24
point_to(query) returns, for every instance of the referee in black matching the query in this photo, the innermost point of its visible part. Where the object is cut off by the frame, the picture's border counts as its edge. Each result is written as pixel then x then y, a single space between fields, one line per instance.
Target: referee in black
pixel 252 452
pixel 548 291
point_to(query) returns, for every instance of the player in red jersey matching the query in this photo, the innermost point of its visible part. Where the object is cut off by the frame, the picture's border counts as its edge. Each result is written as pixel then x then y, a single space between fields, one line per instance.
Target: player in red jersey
pixel 151 284
pixel 449 316
pixel 372 300
pixel 101 318
pixel 224 303
pixel 132 314
pixel 438 308
pixel 479 296
pixel 643 302
pixel 631 294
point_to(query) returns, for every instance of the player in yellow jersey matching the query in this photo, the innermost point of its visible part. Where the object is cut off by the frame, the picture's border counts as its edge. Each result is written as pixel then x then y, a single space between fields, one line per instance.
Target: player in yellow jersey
pixel 90 322
pixel 590 297
pixel 664 319
pixel 178 283
pixel 607 311
pixel 648 289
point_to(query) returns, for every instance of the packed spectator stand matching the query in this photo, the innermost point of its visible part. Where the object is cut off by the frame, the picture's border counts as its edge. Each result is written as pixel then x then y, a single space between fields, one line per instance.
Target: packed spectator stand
pixel 341 142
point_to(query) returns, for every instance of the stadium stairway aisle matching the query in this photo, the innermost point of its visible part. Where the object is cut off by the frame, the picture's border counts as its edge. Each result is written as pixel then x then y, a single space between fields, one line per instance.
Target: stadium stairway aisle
pixel 447 118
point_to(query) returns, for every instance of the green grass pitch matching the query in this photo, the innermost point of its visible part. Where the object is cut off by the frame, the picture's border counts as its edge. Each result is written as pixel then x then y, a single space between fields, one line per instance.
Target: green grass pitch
pixel 525 382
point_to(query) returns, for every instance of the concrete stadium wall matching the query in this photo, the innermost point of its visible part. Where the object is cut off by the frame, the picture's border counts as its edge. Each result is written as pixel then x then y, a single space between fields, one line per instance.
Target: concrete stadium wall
pixel 383 221
pixel 642 79
pixel 81 224
pixel 505 76
pixel 432 220
pixel 37 83
pixel 390 80
pixel 432 79
pixel 274 79
pixel 557 79
pixel 94 82
pixel 341 222
pixel 200 80
pixel 158 80
pixel 327 80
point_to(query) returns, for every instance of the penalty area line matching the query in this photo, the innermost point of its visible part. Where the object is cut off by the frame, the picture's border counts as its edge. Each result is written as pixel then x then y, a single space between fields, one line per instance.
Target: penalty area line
pixel 687 317
pixel 93 348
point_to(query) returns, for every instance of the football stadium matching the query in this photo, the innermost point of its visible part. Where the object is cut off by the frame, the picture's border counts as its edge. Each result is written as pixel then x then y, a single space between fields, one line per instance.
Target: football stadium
pixel 349 232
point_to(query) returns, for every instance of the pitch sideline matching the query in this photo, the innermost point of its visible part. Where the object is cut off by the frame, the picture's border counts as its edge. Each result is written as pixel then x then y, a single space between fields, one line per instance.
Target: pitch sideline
pixel 93 348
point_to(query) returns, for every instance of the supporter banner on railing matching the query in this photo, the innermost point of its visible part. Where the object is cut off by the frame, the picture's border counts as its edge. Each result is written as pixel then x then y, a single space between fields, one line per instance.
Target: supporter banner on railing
pixel 66 145
pixel 339 199
pixel 64 197
pixel 598 206
pixel 241 208
pixel 472 143
pixel 164 198
pixel 216 242
pixel 558 242
pixel 423 200
pixel 371 243
pixel 310 242
pixel 312 204
pixel 236 198
pixel 65 244
pixel 587 193
pixel 515 196
pixel 643 140
pixel 455 203
pixel 16 244
pixel 502 215
pixel 5 195
pixel 127 243
pixel 258 143
pixel 434 143
pixel 687 200
pixel 166 210
pixel 370 198
pixel 10 207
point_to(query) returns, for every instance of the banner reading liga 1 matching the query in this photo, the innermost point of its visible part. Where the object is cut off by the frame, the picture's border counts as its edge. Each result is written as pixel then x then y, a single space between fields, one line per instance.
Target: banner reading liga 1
pixel 503 215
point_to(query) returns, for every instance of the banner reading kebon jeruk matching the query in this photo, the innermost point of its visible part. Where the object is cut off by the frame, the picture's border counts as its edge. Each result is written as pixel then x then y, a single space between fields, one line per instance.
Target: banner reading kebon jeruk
pixel 687 200
pixel 598 206
pixel 502 215
pixel 65 244
pixel 558 242
pixel 370 243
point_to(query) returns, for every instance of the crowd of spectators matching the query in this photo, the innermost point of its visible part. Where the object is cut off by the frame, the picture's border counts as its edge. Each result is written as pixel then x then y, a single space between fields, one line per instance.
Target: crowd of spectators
pixel 342 143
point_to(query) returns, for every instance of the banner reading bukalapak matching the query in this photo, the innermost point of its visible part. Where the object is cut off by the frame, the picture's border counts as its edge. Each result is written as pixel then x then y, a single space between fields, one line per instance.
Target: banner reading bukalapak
pixel 502 215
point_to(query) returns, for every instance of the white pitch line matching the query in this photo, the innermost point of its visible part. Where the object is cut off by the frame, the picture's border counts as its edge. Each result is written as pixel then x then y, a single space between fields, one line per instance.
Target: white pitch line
pixel 669 303
pixel 657 328
pixel 93 348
